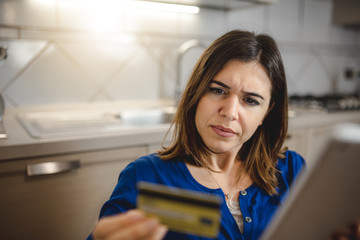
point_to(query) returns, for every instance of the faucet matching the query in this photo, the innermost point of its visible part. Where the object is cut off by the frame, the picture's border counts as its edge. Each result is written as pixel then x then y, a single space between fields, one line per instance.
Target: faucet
pixel 3 53
pixel 185 47
pixel 3 56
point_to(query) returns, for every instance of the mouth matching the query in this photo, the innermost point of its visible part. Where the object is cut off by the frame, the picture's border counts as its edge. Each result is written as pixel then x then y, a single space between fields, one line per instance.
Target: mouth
pixel 223 131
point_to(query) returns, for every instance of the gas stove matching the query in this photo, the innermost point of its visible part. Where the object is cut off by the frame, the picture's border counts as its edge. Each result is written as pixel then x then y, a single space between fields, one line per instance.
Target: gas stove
pixel 328 103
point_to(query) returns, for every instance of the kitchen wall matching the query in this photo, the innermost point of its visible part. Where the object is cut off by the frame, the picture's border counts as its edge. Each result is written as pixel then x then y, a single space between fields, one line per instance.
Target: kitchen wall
pixel 62 51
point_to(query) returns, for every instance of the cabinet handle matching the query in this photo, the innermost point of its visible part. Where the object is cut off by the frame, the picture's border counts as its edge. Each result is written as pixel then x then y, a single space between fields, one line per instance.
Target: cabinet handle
pixel 48 168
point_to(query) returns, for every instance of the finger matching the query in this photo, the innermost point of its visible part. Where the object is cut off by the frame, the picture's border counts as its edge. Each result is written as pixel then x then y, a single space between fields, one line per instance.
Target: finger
pixel 143 229
pixel 339 236
pixel 160 233
pixel 355 230
pixel 110 224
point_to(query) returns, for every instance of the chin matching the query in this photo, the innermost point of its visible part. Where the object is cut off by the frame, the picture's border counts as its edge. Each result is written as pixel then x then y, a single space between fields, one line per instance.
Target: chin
pixel 223 149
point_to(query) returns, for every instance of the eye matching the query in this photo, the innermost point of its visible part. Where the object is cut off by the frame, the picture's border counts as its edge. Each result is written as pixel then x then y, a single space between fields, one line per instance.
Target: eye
pixel 251 101
pixel 217 91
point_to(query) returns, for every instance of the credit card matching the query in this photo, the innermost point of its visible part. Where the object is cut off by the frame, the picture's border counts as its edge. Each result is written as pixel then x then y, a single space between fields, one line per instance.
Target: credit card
pixel 181 210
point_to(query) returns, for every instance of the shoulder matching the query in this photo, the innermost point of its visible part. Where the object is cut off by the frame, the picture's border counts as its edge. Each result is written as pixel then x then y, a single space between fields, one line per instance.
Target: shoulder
pixel 153 168
pixel 146 162
pixel 292 161
pixel 151 162
pixel 290 167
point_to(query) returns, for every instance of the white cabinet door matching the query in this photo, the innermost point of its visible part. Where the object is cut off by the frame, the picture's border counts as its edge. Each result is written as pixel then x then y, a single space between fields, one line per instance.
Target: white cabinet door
pixel 298 141
pixel 310 141
pixel 319 138
pixel 59 206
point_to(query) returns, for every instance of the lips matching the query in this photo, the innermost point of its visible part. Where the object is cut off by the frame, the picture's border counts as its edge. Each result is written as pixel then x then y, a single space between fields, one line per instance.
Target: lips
pixel 223 131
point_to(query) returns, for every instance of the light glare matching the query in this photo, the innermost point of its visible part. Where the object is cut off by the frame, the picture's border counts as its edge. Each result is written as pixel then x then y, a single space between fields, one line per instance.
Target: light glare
pixel 113 4
pixel 169 7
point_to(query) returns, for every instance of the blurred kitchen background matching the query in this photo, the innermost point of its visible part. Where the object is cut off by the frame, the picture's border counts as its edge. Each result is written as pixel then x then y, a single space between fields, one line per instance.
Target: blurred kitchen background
pixel 88 86
pixel 62 51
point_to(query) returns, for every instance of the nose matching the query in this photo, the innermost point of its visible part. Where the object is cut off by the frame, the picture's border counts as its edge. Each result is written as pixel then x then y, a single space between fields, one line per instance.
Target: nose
pixel 230 108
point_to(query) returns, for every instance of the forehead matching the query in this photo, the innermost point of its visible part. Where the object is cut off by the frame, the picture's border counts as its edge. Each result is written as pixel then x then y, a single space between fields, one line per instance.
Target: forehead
pixel 241 74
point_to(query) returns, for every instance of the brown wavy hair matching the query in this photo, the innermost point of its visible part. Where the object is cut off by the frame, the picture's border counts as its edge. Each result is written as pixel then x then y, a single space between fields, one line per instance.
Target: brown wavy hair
pixel 260 153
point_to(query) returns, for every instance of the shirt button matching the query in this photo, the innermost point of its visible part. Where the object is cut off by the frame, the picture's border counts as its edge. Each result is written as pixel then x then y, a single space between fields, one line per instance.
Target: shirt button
pixel 248 219
pixel 243 193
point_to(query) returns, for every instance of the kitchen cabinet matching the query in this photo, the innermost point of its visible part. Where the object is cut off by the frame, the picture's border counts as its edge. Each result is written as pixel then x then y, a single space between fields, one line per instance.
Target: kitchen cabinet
pixel 319 137
pixel 310 141
pixel 346 12
pixel 297 140
pixel 63 205
pixel 155 147
pixel 223 5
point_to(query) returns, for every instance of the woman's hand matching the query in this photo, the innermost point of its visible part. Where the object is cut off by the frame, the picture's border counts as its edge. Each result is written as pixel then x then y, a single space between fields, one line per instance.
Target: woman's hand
pixel 351 232
pixel 131 225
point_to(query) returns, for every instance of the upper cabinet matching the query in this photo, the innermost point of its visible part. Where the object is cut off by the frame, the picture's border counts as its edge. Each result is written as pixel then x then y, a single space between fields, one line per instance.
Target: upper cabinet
pixel 347 13
pixel 217 4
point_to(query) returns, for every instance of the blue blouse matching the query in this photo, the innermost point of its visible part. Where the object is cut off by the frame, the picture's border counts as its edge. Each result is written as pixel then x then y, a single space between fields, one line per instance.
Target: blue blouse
pixel 256 205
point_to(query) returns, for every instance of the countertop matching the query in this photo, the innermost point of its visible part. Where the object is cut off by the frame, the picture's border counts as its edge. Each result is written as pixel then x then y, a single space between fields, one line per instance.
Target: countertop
pixel 305 118
pixel 20 144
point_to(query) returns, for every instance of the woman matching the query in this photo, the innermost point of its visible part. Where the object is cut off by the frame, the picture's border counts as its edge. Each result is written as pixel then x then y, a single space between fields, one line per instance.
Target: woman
pixel 229 130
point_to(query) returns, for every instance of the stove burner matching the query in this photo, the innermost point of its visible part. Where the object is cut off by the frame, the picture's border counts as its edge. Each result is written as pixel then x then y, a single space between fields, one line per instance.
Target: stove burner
pixel 327 103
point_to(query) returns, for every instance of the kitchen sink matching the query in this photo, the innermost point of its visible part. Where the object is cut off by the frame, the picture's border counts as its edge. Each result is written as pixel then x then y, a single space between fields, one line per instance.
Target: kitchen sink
pixel 52 124
pixel 146 117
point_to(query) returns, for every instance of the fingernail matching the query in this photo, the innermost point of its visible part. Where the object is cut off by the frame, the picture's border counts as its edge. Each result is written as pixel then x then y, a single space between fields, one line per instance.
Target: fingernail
pixel 162 230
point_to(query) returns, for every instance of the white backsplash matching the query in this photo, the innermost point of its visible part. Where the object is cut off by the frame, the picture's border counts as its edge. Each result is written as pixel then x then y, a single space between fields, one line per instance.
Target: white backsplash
pixel 61 52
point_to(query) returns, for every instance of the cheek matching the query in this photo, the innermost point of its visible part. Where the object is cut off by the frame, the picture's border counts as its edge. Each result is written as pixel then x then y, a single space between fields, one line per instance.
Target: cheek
pixel 200 114
pixel 203 113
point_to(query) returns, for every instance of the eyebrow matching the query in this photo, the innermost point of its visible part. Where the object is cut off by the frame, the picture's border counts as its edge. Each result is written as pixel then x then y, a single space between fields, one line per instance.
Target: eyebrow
pixel 227 87
pixel 221 84
pixel 255 95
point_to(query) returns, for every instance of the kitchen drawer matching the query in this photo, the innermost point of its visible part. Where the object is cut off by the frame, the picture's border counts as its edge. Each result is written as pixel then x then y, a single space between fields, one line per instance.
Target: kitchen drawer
pixel 63 205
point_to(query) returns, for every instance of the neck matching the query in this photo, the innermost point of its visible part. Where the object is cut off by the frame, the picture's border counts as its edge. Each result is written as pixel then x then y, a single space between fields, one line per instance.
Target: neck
pixel 224 163
pixel 225 172
pixel 228 177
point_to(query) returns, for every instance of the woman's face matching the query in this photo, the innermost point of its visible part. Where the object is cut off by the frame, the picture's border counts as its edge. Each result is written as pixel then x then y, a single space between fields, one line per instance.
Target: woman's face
pixel 233 107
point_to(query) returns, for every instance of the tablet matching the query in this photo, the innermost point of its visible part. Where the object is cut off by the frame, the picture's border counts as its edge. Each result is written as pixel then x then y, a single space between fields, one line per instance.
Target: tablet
pixel 325 197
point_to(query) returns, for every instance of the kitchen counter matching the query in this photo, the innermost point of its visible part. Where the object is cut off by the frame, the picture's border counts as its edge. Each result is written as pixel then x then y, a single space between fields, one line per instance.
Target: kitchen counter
pixel 20 144
pixel 313 118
